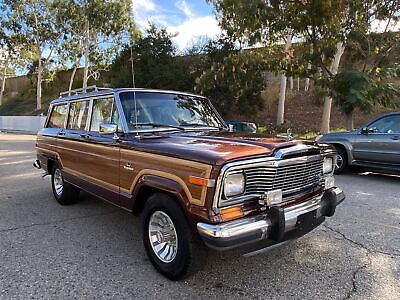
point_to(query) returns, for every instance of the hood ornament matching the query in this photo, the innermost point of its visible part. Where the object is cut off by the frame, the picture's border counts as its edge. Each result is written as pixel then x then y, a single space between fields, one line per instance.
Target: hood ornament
pixel 289 135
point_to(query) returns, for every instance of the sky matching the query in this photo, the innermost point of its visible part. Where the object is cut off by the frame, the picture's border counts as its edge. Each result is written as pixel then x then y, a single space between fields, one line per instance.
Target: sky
pixel 190 20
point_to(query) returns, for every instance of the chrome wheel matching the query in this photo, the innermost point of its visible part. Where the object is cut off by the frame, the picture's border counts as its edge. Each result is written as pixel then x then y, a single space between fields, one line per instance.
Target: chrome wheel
pixel 58 182
pixel 339 162
pixel 163 236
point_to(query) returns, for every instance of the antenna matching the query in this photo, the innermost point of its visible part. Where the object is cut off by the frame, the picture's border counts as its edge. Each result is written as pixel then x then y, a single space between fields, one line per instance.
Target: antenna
pixel 133 69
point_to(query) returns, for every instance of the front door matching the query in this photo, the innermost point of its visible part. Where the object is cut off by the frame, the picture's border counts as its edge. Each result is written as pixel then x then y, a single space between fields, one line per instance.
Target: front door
pixel 381 145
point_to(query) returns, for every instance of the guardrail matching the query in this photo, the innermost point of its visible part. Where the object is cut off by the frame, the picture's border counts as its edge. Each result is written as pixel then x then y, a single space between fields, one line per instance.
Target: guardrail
pixel 28 124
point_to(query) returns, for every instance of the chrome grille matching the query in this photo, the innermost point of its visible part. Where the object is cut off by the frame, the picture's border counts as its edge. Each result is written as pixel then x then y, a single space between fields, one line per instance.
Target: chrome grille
pixel 290 179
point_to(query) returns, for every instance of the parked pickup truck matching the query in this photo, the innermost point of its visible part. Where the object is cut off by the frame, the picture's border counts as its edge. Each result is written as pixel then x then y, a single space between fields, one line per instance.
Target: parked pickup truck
pixel 171 158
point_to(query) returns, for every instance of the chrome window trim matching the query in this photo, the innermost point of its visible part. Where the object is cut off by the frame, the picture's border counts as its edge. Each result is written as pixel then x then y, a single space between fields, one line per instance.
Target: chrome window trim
pixel 121 110
pixel 115 101
pixel 275 160
pixel 89 117
pixel 67 118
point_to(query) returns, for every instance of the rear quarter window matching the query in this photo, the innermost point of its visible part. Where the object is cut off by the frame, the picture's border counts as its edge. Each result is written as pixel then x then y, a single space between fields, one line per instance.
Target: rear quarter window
pixel 58 116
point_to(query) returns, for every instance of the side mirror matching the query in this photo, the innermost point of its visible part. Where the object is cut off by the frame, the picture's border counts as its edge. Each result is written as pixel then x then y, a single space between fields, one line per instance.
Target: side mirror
pixel 366 130
pixel 108 128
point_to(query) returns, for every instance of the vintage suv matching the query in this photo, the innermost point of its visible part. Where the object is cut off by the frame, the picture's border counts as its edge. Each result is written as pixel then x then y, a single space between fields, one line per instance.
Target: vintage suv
pixel 171 158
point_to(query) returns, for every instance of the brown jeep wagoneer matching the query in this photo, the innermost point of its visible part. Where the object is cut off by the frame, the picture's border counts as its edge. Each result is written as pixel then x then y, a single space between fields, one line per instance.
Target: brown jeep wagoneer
pixel 171 158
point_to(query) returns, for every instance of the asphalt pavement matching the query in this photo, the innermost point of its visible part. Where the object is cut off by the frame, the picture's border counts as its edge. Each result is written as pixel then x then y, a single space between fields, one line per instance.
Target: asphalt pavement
pixel 94 250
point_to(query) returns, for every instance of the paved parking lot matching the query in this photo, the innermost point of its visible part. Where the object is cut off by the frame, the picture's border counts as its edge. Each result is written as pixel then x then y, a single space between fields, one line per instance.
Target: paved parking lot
pixel 93 249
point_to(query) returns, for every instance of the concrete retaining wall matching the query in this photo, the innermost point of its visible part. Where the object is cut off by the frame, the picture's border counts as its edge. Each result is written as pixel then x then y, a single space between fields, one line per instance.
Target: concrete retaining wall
pixel 29 124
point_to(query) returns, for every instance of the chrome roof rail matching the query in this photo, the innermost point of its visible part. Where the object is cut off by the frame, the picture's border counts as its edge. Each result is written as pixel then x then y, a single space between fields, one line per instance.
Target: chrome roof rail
pixel 88 89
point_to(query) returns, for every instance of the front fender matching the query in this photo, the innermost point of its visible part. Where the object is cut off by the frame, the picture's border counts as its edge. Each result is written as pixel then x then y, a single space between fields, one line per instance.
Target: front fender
pixel 163 184
pixel 344 143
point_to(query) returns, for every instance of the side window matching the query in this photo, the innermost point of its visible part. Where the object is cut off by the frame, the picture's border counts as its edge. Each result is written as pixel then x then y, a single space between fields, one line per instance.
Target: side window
pixel 78 113
pixel 58 116
pixel 101 112
pixel 389 124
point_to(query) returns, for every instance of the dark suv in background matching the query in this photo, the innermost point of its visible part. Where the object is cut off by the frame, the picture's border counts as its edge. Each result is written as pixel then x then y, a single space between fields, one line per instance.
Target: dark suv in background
pixel 375 145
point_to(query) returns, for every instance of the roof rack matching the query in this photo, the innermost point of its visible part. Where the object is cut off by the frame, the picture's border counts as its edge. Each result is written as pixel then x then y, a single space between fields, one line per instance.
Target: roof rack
pixel 88 89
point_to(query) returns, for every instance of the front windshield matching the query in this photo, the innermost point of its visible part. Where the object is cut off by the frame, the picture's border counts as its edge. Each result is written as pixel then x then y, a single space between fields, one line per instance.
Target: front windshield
pixel 167 110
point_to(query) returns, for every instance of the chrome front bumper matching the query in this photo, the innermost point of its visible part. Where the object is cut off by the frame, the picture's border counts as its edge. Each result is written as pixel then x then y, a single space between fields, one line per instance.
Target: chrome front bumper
pixel 277 225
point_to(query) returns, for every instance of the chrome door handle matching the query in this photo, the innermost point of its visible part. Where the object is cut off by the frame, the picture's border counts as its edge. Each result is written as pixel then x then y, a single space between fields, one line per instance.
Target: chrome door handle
pixel 128 167
pixel 84 135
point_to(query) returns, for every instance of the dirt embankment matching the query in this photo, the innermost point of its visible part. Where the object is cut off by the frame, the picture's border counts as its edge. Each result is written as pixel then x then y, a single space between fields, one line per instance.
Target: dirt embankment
pixel 303 111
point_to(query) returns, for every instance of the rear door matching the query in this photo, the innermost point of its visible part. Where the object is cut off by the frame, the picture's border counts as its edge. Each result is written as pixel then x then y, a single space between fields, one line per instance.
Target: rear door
pixel 382 144
pixel 89 155
pixel 73 141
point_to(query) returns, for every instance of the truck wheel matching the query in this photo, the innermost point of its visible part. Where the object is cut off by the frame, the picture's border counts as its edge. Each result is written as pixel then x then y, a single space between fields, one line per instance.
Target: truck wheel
pixel 171 245
pixel 341 161
pixel 63 192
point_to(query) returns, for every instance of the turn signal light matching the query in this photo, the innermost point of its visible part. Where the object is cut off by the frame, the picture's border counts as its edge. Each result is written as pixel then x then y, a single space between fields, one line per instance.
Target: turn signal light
pixel 198 180
pixel 201 181
pixel 231 213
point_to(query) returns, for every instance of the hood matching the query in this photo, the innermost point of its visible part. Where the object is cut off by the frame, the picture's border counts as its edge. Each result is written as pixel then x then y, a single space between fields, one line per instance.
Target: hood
pixel 333 135
pixel 211 148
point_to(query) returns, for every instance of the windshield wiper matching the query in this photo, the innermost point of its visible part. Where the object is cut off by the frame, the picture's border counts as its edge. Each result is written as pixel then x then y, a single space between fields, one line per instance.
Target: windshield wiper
pixel 201 125
pixel 154 125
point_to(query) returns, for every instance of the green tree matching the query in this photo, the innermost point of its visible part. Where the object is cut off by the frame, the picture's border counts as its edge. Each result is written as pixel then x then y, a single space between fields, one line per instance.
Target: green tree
pixel 326 26
pixel 369 73
pixel 94 31
pixel 156 63
pixel 32 27
pixel 233 79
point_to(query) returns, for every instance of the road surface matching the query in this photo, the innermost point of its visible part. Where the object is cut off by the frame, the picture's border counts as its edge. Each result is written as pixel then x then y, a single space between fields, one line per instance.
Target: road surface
pixel 92 249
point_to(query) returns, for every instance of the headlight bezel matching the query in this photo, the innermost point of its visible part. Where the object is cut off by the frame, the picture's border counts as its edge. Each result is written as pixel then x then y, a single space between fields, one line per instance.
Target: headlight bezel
pixel 233 185
pixel 328 165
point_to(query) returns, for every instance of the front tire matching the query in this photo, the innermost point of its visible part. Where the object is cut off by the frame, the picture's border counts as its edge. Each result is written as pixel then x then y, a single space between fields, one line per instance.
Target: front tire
pixel 171 245
pixel 341 161
pixel 63 192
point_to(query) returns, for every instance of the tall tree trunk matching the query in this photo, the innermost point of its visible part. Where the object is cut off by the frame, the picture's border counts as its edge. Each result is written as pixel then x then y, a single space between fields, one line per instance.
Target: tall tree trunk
pixel 86 56
pixel 39 86
pixel 282 87
pixel 3 81
pixel 307 83
pixel 71 79
pixel 291 82
pixel 349 121
pixel 298 84
pixel 281 101
pixel 326 114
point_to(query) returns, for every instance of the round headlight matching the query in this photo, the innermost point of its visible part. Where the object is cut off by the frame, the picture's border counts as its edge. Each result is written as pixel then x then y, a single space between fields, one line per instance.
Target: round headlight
pixel 234 184
pixel 327 166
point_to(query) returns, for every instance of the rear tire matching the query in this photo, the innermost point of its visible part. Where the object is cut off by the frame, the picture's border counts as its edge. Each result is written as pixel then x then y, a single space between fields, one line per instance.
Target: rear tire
pixel 63 192
pixel 171 245
pixel 341 161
